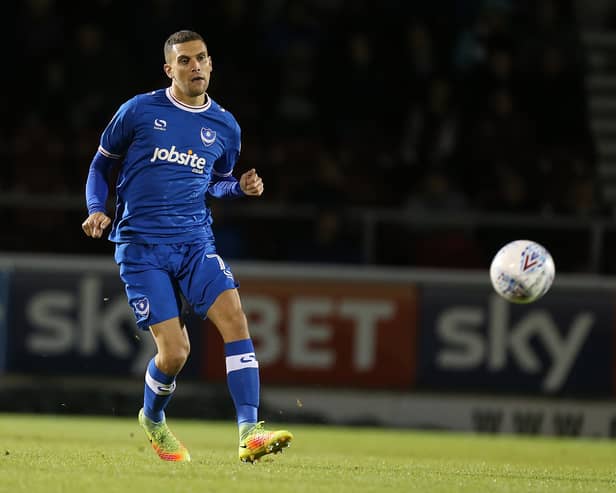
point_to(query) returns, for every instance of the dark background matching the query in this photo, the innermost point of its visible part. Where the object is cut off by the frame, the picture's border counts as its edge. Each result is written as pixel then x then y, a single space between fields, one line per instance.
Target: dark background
pixel 379 128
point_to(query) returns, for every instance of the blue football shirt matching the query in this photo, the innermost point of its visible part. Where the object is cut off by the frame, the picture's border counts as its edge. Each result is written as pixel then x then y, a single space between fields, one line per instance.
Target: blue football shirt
pixel 171 155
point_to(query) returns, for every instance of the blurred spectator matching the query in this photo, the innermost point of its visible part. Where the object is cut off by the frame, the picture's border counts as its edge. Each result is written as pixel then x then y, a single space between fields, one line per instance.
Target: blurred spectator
pixel 324 187
pixel 500 142
pixel 558 102
pixel 488 31
pixel 329 241
pixel 431 128
pixel 436 193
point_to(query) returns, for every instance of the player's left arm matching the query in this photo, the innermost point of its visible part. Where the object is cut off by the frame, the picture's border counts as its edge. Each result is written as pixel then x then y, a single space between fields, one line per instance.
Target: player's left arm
pixel 224 185
pixel 228 187
pixel 251 183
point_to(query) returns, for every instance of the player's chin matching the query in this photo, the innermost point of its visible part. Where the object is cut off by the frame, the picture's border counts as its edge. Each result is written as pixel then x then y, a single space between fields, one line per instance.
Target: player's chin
pixel 198 85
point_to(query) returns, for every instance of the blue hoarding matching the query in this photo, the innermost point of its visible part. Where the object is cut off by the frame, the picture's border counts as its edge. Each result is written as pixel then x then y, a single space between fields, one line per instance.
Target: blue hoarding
pixel 472 340
pixel 75 323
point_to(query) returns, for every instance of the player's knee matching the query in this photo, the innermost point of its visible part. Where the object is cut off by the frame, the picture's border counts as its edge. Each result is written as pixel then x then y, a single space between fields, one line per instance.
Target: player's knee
pixel 173 360
pixel 234 325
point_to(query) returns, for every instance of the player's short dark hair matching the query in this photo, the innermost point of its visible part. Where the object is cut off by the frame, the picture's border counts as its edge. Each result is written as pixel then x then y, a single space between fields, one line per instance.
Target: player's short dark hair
pixel 179 37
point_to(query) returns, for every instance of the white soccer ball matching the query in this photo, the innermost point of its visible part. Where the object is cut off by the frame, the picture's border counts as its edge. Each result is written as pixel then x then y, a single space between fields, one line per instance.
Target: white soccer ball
pixel 522 271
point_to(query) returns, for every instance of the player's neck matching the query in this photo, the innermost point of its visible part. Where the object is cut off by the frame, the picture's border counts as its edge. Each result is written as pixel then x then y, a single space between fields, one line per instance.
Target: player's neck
pixel 187 100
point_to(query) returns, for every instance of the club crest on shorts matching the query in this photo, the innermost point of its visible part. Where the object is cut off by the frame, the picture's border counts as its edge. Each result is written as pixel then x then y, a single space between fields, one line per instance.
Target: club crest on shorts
pixel 208 136
pixel 142 307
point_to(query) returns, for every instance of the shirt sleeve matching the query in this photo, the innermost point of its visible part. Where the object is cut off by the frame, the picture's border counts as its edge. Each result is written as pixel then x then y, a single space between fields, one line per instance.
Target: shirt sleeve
pixel 97 184
pixel 118 134
pixel 114 142
pixel 223 184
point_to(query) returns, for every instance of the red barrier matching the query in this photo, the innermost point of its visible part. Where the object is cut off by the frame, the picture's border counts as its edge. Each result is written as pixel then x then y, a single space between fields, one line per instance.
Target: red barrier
pixel 359 334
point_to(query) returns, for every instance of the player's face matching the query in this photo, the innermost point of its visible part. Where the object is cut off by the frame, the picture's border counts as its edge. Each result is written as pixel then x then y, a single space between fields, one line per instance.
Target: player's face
pixel 189 66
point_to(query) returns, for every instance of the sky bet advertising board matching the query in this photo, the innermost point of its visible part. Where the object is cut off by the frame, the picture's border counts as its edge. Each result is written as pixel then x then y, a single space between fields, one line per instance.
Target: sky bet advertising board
pixel 65 323
pixel 473 340
pixel 327 332
pixel 352 333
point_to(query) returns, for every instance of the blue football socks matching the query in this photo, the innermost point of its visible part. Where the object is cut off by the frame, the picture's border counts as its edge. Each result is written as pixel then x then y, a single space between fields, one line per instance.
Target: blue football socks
pixel 158 391
pixel 243 380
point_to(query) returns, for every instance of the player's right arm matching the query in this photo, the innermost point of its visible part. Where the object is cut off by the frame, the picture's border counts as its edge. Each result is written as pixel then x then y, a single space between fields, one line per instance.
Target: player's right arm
pixel 95 224
pixel 114 141
pixel 97 190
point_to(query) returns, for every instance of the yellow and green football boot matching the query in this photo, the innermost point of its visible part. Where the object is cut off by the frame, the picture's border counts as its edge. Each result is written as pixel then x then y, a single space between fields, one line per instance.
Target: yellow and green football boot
pixel 166 445
pixel 257 442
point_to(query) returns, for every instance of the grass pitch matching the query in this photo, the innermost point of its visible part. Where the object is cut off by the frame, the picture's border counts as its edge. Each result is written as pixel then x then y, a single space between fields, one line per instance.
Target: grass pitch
pixel 47 454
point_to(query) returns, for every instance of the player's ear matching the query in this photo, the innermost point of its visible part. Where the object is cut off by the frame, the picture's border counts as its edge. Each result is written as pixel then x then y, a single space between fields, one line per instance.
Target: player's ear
pixel 168 70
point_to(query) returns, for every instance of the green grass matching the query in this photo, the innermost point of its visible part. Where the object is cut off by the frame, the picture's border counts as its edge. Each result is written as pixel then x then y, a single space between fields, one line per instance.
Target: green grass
pixel 50 454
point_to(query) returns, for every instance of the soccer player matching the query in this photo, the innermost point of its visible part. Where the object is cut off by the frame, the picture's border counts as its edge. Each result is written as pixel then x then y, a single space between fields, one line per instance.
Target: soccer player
pixel 174 146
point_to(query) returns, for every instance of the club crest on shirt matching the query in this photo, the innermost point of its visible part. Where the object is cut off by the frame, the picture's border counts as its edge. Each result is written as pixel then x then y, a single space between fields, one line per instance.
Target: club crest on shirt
pixel 208 136
pixel 142 307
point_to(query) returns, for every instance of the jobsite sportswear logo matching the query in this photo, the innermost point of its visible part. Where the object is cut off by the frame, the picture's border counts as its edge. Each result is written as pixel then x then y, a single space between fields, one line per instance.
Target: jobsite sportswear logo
pixel 188 158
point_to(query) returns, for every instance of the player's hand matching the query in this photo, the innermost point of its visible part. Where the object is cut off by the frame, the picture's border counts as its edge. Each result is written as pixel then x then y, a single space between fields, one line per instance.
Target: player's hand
pixel 251 183
pixel 96 224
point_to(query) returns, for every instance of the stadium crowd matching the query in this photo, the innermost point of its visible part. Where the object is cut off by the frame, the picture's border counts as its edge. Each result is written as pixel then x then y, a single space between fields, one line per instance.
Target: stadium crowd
pixel 435 106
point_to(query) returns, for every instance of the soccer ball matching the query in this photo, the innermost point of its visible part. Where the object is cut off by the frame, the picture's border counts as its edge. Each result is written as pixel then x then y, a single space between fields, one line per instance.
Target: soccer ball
pixel 522 271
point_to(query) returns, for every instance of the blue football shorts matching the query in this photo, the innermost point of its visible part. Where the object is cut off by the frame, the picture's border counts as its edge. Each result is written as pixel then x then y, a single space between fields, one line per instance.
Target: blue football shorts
pixel 156 278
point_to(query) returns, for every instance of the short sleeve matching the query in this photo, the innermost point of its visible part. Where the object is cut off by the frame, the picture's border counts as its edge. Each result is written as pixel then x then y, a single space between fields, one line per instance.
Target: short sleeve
pixel 118 134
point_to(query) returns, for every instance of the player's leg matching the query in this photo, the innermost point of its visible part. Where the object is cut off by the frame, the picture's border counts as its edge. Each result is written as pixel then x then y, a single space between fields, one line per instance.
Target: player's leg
pixel 210 288
pixel 243 379
pixel 156 304
pixel 242 366
pixel 173 348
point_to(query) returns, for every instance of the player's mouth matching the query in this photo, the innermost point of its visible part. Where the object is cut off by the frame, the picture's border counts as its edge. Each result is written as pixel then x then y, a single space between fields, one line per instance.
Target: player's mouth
pixel 195 79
